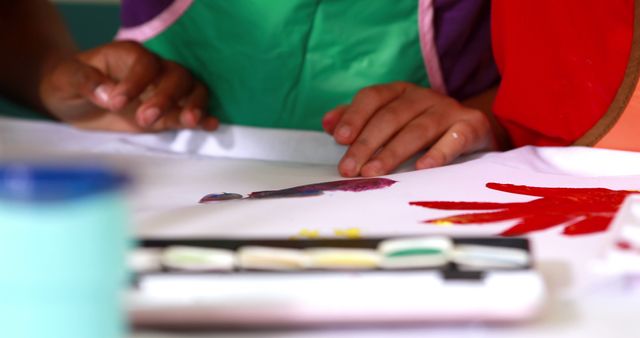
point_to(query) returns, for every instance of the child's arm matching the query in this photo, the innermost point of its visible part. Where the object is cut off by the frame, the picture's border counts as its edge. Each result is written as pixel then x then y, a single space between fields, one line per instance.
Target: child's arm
pixel 387 124
pixel 119 86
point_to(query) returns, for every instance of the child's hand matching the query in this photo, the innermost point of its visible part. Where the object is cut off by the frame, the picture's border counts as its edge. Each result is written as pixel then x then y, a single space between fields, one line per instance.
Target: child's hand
pixel 387 124
pixel 123 87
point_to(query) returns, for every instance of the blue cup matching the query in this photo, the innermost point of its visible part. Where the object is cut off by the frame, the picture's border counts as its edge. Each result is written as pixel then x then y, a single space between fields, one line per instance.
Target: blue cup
pixel 63 244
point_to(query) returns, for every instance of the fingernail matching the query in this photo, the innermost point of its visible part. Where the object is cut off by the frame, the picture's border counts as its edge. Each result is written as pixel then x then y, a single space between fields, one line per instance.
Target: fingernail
pixel 186 120
pixel 329 115
pixel 102 93
pixel 326 122
pixel 426 163
pixel 343 132
pixel 349 166
pixel 373 168
pixel 196 116
pixel 118 102
pixel 150 116
pixel 210 124
pixel 190 118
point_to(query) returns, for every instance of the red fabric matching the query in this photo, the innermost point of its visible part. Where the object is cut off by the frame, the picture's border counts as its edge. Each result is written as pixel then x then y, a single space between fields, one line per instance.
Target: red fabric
pixel 561 62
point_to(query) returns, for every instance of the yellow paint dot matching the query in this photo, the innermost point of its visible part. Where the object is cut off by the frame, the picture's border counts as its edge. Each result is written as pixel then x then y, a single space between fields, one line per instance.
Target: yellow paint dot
pixel 309 234
pixel 351 233
pixel 443 223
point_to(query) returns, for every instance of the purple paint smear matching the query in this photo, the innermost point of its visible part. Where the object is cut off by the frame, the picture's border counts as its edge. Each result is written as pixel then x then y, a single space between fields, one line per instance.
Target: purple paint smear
pixel 220 197
pixel 316 189
pixel 356 185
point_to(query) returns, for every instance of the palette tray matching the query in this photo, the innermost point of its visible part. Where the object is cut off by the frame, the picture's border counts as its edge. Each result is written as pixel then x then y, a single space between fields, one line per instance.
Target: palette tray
pixel 383 281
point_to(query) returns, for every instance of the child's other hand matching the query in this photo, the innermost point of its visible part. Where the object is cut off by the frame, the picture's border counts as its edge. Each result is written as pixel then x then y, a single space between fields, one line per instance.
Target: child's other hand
pixel 121 86
pixel 387 124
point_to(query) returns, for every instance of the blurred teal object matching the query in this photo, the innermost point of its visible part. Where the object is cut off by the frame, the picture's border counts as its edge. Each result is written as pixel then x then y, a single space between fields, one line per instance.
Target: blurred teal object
pixel 63 244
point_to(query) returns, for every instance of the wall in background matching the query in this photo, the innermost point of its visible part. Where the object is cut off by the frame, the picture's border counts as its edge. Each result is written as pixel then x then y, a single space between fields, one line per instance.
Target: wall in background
pixel 91 22
pixel 87 1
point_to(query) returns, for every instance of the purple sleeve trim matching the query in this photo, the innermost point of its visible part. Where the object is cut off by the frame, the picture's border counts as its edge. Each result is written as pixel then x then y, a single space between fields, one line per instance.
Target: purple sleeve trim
pixel 157 24
pixel 136 12
pixel 428 46
pixel 463 42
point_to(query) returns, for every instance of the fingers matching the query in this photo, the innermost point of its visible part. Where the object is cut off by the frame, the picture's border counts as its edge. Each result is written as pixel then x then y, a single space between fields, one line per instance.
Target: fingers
pixel 364 105
pixel 173 84
pixel 130 67
pixel 168 121
pixel 172 121
pixel 195 105
pixel 463 137
pixel 122 86
pixel 209 123
pixel 416 136
pixel 386 123
pixel 190 112
pixel 74 79
pixel 142 71
pixel 158 87
pixel 451 145
pixel 411 120
pixel 331 118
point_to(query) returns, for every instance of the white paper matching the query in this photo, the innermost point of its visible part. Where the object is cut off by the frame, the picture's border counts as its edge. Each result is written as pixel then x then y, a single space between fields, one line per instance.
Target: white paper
pixel 248 143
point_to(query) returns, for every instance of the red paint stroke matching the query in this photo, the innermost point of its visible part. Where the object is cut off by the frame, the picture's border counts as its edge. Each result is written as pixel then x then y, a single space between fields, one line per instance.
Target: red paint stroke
pixel 356 185
pixel 581 210
pixel 628 247
pixel 624 246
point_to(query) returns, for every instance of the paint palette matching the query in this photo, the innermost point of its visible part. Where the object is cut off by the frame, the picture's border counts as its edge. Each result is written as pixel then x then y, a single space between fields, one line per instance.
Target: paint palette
pixel 267 283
